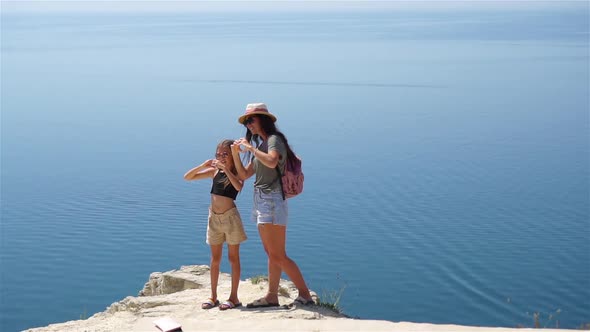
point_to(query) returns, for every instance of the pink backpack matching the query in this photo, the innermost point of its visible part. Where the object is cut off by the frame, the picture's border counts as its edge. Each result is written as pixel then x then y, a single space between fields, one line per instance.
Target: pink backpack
pixel 292 180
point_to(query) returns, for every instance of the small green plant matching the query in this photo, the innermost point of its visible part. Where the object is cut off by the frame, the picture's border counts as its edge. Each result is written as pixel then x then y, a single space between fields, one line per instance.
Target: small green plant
pixel 258 279
pixel 262 278
pixel 284 291
pixel 84 314
pixel 331 300
pixel 541 320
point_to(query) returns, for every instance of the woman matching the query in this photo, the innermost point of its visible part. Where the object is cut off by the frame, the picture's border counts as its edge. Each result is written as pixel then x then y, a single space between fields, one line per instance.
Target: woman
pixel 271 150
pixel 224 222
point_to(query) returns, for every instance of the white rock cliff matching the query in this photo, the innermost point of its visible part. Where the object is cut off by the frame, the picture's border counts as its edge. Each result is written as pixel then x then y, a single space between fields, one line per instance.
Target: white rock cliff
pixel 178 294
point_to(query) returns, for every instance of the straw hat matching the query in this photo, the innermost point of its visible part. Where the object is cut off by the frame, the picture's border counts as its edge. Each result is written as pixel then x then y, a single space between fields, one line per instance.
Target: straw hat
pixel 256 108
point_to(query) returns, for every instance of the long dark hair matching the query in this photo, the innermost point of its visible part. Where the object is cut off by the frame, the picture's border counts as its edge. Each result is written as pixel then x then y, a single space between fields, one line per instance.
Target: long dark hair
pixel 269 128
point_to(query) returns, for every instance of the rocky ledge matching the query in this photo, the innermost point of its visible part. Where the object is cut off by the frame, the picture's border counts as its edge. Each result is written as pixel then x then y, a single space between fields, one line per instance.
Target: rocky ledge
pixel 178 295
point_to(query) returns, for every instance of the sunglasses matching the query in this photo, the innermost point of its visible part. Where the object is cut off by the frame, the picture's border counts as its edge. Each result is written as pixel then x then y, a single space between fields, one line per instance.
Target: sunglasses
pixel 249 120
pixel 221 155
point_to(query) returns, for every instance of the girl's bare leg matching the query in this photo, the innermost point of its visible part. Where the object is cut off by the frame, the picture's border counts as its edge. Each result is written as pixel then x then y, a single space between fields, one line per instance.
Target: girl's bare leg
pixel 234 260
pixel 216 251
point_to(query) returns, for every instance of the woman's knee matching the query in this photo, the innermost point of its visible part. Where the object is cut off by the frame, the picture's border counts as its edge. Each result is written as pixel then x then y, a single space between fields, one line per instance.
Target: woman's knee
pixel 277 258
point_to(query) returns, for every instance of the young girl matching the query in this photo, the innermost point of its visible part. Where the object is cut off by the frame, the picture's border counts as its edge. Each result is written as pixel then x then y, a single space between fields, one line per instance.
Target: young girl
pixel 224 224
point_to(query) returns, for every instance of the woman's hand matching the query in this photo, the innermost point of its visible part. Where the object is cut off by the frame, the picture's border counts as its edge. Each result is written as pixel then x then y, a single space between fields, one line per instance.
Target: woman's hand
pixel 237 146
pixel 209 163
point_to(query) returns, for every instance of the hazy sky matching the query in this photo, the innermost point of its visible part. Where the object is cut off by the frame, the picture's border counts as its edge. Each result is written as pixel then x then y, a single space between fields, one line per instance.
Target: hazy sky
pixel 283 5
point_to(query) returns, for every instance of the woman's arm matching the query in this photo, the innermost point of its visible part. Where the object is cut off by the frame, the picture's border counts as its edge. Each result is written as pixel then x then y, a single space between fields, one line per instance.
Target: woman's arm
pixel 203 171
pixel 243 172
pixel 270 159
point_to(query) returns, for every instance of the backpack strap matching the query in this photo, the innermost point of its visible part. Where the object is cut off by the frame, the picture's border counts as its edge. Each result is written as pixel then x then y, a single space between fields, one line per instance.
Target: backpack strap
pixel 279 171
pixel 280 181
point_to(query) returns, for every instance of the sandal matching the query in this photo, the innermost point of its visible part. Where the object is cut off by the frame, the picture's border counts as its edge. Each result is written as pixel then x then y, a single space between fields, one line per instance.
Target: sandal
pixel 209 304
pixel 301 300
pixel 229 305
pixel 261 303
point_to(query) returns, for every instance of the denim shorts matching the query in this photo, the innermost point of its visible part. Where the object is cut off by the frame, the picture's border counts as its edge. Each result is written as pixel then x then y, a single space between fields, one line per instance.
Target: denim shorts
pixel 270 208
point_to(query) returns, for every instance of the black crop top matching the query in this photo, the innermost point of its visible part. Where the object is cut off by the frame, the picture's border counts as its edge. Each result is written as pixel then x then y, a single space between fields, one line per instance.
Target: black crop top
pixel 218 189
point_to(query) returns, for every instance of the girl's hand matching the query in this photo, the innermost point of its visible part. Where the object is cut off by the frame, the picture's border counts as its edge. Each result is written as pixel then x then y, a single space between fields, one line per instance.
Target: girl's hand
pixel 209 163
pixel 220 166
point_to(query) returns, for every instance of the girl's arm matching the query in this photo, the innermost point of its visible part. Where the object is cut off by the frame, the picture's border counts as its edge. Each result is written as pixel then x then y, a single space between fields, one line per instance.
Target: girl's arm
pixel 237 183
pixel 203 171
pixel 233 179
pixel 243 172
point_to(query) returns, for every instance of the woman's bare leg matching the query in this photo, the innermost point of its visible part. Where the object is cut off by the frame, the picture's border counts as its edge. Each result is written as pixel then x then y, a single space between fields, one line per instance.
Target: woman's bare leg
pixel 273 238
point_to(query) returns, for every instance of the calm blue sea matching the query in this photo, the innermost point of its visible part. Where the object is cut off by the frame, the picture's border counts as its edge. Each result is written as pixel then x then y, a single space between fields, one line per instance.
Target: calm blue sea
pixel 446 155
